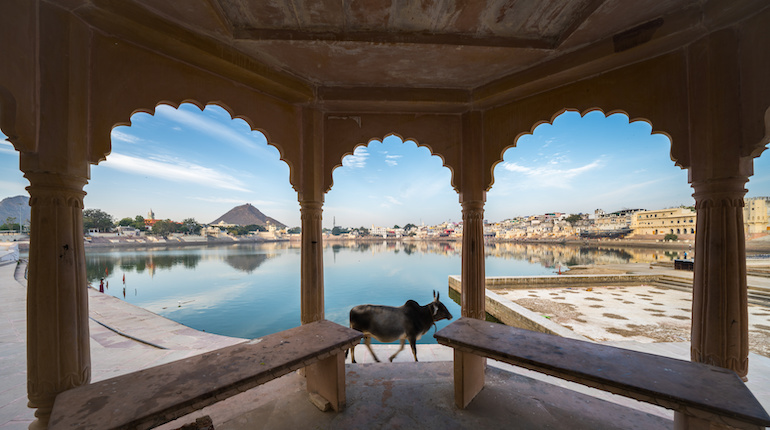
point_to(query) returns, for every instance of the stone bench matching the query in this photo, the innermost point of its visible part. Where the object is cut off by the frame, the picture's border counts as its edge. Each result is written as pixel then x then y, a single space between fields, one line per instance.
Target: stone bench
pixel 702 394
pixel 160 394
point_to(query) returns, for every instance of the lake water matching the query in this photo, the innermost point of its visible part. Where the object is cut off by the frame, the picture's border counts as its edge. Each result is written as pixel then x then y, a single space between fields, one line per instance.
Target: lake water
pixel 250 290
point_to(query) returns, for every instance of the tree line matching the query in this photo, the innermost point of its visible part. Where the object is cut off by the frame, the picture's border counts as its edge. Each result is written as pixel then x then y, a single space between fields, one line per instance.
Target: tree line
pixel 11 224
pixel 98 220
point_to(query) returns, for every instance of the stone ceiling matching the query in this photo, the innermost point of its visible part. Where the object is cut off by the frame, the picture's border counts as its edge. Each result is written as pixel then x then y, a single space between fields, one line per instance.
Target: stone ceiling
pixel 444 44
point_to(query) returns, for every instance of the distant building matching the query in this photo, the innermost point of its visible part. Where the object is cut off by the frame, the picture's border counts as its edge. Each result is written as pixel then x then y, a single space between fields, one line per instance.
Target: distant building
pixel 658 223
pixel 150 220
pixel 616 220
pixel 609 225
pixel 129 231
pixel 756 219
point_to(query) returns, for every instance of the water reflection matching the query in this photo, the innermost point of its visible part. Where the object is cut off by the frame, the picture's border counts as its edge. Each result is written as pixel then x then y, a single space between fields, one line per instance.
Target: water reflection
pixel 544 254
pixel 249 290
pixel 246 263
pixel 99 265
pixel 248 258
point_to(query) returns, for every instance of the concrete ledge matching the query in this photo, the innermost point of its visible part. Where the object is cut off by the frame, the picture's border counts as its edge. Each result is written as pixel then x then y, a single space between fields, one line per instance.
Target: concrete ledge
pixel 511 314
pixel 509 282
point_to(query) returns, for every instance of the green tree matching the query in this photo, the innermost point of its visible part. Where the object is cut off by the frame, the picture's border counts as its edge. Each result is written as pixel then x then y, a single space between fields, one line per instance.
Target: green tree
pixel 396 226
pixel 294 230
pixel 190 226
pixel 139 223
pixel 164 228
pixel 243 230
pixel 410 226
pixel 670 237
pixel 97 219
pixel 125 222
pixel 10 224
pixel 573 218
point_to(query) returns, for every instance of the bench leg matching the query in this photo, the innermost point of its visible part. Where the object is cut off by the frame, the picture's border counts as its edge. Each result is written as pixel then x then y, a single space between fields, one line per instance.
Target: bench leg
pixel 469 377
pixel 327 379
pixel 684 421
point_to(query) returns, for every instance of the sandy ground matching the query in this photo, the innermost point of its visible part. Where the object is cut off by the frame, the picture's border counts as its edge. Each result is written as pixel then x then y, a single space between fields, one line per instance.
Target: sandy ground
pixel 640 313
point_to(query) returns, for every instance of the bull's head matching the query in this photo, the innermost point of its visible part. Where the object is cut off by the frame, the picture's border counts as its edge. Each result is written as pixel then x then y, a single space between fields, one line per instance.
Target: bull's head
pixel 440 312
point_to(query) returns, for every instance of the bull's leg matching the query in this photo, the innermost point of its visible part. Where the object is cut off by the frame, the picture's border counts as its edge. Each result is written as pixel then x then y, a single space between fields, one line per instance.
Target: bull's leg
pixel 368 342
pixel 399 350
pixel 413 344
pixel 352 353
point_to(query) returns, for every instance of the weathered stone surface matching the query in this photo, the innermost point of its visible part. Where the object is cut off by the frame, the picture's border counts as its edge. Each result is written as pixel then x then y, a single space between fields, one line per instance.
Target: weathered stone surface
pixel 688 387
pixel 159 394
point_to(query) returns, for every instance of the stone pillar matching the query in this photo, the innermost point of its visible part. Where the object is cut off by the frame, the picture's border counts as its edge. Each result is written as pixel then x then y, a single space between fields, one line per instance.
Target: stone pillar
pixel 312 278
pixel 473 276
pixel 720 333
pixel 469 368
pixel 58 348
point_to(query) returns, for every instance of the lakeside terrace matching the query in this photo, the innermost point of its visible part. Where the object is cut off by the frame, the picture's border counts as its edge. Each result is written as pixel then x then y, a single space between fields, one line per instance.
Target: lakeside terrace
pixel 379 395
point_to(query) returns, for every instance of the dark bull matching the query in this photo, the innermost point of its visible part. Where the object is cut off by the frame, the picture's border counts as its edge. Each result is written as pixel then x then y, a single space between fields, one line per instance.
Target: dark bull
pixel 389 323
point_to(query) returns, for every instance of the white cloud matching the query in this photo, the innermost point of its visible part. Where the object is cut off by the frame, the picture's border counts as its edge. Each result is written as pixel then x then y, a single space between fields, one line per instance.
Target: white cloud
pixel 235 201
pixel 390 160
pixel 124 137
pixel 393 200
pixel 197 121
pixel 637 189
pixel 357 160
pixel 6 147
pixel 174 170
pixel 550 175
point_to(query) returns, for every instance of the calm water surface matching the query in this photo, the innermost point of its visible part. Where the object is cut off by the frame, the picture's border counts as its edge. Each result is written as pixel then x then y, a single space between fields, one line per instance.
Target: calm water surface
pixel 250 290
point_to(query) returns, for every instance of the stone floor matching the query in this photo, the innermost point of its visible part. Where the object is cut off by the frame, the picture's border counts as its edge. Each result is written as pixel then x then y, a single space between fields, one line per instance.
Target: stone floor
pixel 642 313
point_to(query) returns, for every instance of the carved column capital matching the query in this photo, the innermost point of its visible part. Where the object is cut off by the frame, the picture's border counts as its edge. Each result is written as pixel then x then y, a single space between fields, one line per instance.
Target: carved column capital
pixel 54 189
pixel 311 209
pixel 726 192
pixel 473 210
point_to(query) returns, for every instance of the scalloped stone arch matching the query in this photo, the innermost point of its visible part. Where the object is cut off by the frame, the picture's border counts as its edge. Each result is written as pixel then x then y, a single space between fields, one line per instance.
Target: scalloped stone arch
pixel 8 115
pixel 762 144
pixel 403 140
pixel 582 113
pixel 202 106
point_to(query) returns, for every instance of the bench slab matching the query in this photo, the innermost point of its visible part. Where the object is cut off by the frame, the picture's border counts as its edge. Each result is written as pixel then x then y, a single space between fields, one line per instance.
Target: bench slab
pixel 685 386
pixel 152 396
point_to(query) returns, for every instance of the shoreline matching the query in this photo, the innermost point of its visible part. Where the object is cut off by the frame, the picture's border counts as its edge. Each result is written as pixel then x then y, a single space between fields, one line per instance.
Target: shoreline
pixel 752 246
pixel 755 246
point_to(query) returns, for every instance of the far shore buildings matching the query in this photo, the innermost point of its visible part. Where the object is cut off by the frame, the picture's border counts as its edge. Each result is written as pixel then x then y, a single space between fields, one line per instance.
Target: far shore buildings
pixel 756 216
pixel 658 223
pixel 629 223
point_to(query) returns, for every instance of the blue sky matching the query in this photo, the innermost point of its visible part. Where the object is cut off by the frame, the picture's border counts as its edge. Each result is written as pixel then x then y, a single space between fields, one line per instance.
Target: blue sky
pixel 185 162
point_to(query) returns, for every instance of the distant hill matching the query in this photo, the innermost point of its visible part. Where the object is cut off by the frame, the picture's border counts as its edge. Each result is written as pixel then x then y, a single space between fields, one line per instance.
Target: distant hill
pixel 247 215
pixel 15 207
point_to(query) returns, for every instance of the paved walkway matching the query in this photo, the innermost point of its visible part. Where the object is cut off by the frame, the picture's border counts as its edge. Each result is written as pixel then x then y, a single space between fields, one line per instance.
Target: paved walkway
pixel 372 393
